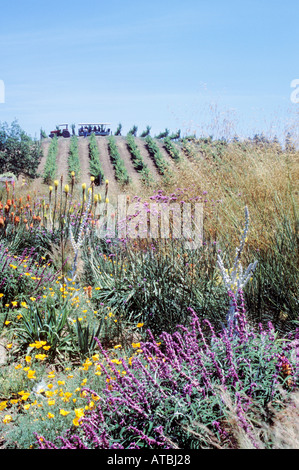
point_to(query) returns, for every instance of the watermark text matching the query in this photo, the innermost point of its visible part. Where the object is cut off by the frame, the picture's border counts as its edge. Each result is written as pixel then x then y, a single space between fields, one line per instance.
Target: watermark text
pixel 155 221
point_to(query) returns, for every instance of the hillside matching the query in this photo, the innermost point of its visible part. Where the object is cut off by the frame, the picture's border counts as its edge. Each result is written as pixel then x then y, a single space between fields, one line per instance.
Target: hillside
pixel 136 183
pixel 223 175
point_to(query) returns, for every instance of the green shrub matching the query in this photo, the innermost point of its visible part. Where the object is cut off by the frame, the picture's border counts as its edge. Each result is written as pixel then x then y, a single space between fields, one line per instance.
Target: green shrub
pixel 156 155
pixel 73 157
pixel 171 149
pixel 138 161
pixel 95 167
pixel 121 172
pixel 50 169
pixel 19 154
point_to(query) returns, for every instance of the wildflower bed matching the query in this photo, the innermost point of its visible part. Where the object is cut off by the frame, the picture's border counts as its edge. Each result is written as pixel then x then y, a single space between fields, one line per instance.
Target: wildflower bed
pixel 99 359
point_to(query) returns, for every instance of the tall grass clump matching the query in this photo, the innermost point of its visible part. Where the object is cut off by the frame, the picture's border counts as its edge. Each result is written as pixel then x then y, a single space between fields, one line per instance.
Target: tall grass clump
pixel 273 292
pixel 263 177
pixel 153 280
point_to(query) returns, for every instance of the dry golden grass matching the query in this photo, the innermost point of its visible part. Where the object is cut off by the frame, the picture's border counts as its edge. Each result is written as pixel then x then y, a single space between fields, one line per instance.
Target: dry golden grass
pixel 263 178
pixel 282 433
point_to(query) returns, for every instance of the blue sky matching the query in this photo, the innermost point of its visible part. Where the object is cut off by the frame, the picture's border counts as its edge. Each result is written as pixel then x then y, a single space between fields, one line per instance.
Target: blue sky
pixel 210 67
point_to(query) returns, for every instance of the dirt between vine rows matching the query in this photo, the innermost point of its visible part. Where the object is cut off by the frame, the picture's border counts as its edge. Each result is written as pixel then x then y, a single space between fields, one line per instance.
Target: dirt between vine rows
pixel 62 157
pixel 126 157
pixel 84 160
pixel 134 188
pixel 107 168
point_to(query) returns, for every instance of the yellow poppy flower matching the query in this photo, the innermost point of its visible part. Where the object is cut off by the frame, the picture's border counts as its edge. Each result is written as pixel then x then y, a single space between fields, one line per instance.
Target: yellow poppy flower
pixel 41 357
pixel 31 374
pixel 7 419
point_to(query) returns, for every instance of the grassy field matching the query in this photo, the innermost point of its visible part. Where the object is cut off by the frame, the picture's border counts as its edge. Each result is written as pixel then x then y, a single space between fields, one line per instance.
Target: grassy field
pixel 139 341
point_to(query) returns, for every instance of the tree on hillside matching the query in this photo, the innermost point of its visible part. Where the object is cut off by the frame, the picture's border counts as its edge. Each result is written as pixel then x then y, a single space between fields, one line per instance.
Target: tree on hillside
pixel 43 134
pixel 118 130
pixel 146 132
pixel 176 135
pixel 162 135
pixel 19 154
pixel 133 131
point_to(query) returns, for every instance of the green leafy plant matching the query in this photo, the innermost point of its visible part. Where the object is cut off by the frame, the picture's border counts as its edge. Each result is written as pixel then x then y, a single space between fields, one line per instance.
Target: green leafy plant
pixel 118 130
pixel 47 321
pixel 171 149
pixel 73 157
pixel 133 131
pixel 163 134
pixel 50 169
pixel 86 335
pixel 138 161
pixel 95 167
pixel 121 172
pixel 146 132
pixel 156 155
pixel 18 152
pixel 154 285
pixel 175 136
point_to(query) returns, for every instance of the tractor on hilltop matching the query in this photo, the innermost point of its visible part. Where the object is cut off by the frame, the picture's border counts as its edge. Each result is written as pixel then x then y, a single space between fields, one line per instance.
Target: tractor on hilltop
pixel 62 130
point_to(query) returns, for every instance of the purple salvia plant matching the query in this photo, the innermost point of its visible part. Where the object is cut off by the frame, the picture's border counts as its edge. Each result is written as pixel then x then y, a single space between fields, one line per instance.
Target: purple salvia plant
pixel 183 373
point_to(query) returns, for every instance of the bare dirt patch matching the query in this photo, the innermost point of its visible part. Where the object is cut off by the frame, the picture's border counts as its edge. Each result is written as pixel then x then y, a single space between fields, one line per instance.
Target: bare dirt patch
pixel 62 157
pixel 84 159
